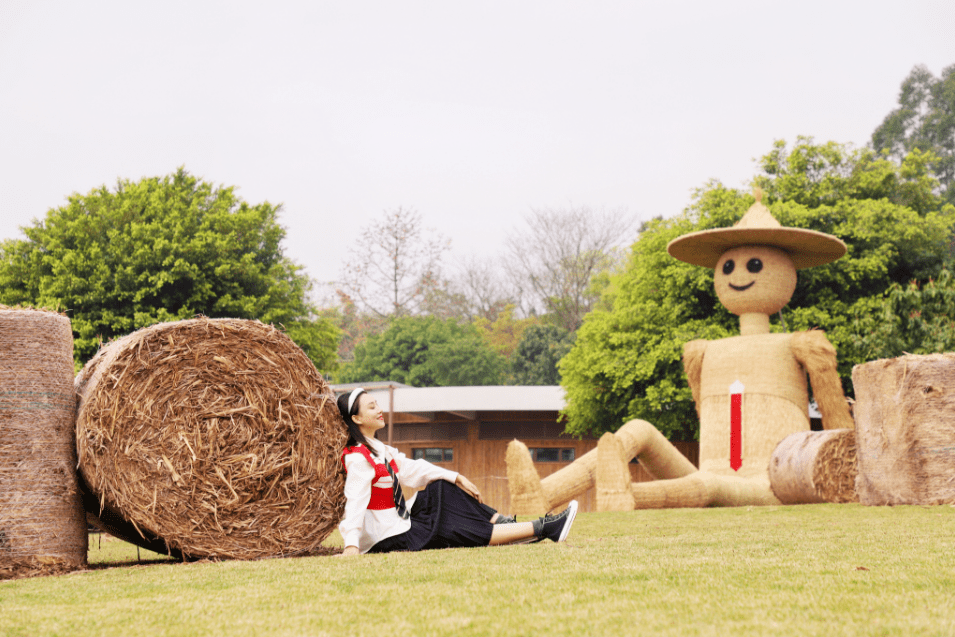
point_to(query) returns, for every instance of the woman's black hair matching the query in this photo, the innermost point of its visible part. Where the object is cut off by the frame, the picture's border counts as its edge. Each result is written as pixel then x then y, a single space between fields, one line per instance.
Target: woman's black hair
pixel 355 436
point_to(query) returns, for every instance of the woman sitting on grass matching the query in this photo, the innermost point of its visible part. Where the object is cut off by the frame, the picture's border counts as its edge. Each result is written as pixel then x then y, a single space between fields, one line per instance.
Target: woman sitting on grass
pixel 447 513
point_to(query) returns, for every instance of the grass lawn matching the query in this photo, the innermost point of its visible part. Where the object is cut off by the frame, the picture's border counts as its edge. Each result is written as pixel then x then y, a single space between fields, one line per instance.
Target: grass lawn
pixel 810 570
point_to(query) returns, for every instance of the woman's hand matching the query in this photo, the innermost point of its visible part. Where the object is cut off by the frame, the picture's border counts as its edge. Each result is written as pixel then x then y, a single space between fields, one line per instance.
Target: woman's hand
pixel 468 487
pixel 350 550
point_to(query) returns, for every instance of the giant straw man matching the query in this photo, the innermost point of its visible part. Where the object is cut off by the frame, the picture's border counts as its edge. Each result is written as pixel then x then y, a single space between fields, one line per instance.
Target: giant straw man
pixel 750 390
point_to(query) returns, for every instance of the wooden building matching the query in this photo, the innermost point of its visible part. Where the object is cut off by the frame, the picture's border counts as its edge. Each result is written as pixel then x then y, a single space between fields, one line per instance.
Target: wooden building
pixel 466 429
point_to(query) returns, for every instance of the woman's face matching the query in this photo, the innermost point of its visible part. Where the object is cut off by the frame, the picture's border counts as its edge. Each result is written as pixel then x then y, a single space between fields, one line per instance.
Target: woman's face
pixel 370 418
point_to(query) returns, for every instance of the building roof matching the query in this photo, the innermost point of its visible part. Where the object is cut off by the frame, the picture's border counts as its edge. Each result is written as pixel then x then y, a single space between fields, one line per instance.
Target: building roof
pixel 432 403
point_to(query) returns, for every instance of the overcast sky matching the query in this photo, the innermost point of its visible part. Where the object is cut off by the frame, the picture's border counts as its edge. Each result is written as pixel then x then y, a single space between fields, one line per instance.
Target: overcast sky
pixel 470 113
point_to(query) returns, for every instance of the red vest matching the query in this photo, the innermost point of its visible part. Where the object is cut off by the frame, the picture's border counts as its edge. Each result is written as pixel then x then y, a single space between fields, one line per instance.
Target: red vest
pixel 381 497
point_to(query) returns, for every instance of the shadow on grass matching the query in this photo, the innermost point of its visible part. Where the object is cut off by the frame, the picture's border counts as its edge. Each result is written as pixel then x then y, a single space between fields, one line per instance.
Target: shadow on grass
pixel 120 554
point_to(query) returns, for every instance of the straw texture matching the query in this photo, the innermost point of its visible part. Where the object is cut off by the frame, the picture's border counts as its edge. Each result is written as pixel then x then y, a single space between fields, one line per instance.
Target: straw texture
pixel 815 466
pixel 214 437
pixel 807 248
pixel 613 476
pixel 775 402
pixel 703 489
pixel 638 439
pixel 42 527
pixel 527 497
pixel 905 430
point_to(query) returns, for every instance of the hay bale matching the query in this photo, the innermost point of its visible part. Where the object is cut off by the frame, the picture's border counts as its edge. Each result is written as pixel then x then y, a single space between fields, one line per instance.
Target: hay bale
pixel 527 497
pixel 42 527
pixel 815 466
pixel 613 476
pixel 905 430
pixel 211 437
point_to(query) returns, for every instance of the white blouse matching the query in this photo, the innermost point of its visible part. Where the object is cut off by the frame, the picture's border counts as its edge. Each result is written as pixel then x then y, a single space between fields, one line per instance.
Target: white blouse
pixel 364 528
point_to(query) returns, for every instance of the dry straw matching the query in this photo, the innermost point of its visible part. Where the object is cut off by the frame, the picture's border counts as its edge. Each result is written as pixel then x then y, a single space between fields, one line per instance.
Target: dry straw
pixel 815 466
pixel 905 430
pixel 637 439
pixel 213 438
pixel 42 527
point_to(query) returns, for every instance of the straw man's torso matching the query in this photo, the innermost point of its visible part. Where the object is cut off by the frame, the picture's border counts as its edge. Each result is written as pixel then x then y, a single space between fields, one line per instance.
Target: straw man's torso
pixel 774 404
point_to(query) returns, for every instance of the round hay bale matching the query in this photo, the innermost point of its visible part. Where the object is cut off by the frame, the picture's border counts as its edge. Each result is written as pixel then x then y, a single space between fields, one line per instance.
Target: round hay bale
pixel 815 466
pixel 213 437
pixel 42 527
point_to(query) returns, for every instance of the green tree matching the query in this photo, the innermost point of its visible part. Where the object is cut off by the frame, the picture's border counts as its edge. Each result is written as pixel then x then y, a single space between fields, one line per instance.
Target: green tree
pixel 162 249
pixel 925 120
pixel 539 351
pixel 426 352
pixel 912 319
pixel 627 360
pixel 504 334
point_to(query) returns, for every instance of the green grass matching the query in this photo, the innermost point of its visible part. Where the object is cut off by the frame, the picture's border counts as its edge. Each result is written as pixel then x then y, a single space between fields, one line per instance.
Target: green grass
pixel 812 570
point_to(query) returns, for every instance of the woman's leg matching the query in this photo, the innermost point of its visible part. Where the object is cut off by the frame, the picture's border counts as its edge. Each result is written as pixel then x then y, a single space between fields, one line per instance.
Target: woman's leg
pixel 508 533
pixel 551 527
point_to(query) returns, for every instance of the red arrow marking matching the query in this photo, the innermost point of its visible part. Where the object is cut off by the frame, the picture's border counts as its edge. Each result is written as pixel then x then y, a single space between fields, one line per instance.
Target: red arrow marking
pixel 736 426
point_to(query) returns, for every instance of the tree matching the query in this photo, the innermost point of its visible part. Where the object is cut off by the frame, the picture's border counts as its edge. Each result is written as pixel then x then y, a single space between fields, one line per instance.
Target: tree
pixel 924 120
pixel 912 319
pixel 162 249
pixel 560 253
pixel 485 292
pixel 504 333
pixel 626 362
pixel 538 354
pixel 394 265
pixel 426 352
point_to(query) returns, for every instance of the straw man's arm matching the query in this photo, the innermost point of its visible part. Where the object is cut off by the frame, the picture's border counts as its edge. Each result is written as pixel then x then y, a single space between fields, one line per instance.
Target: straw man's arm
pixel 693 366
pixel 818 357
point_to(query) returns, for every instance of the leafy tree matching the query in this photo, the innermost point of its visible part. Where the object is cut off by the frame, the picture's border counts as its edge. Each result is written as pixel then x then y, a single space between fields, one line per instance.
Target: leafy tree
pixel 540 350
pixel 559 254
pixel 924 120
pixel 162 249
pixel 504 333
pixel 426 352
pixel 912 319
pixel 355 326
pixel 626 362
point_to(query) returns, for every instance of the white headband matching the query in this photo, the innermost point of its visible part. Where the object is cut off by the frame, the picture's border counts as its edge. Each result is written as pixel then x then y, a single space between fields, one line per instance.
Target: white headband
pixel 352 396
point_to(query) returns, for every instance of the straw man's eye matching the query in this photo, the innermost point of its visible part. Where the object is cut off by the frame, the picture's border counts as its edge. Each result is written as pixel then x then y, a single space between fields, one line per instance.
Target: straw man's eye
pixel 754 265
pixel 728 266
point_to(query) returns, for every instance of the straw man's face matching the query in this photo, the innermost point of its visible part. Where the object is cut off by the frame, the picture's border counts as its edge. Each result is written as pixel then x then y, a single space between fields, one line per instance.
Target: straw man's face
pixel 758 279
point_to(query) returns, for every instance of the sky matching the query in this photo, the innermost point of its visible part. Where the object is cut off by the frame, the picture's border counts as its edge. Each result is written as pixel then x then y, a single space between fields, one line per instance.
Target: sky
pixel 472 114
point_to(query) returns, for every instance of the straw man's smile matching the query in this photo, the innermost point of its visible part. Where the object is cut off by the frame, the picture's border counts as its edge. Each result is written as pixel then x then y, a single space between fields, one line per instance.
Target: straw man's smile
pixel 740 288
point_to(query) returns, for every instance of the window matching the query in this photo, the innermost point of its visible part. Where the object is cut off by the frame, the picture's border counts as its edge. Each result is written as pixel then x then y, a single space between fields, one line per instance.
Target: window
pixel 433 454
pixel 551 454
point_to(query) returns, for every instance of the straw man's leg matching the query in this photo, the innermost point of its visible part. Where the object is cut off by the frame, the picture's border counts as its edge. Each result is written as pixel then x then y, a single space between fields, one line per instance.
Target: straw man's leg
pixel 616 492
pixel 702 489
pixel 530 495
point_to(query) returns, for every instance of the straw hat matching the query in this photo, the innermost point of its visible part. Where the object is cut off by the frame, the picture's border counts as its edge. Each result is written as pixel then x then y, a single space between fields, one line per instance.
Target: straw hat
pixel 807 248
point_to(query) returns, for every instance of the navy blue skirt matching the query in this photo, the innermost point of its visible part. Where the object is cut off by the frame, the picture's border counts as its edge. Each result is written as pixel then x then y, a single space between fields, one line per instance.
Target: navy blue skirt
pixel 442 516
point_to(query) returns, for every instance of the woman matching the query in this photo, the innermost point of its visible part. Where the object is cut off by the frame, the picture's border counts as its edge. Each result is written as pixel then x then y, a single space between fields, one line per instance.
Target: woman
pixel 447 513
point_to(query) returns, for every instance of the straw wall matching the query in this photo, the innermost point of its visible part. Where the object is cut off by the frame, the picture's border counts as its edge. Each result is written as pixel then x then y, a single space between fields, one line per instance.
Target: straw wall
pixel 42 527
pixel 905 430
pixel 212 437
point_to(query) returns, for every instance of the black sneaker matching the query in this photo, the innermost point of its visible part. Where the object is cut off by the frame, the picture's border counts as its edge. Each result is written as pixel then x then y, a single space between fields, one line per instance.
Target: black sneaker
pixel 505 519
pixel 556 527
